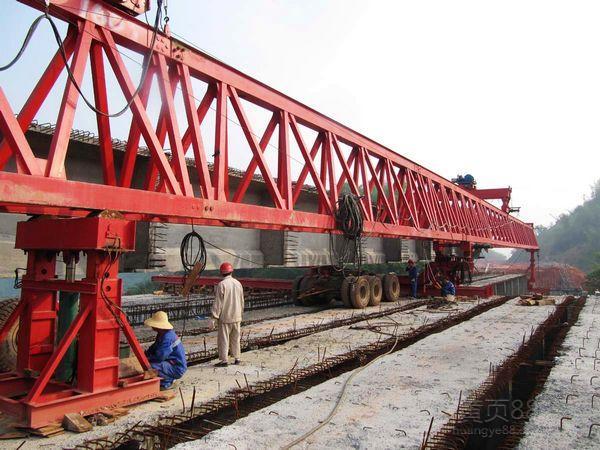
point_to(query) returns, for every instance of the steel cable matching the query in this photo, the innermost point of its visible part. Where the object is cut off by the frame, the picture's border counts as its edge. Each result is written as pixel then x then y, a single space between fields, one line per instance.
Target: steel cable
pixel 61 47
pixel 145 66
pixel 25 43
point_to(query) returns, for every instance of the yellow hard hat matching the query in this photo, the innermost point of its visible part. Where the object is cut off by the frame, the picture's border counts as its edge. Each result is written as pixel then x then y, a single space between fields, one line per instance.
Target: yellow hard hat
pixel 159 320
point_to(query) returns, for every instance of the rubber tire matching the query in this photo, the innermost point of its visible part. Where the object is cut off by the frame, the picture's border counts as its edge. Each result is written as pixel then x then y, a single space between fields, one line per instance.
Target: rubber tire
pixel 307 283
pixel 360 293
pixel 296 290
pixel 8 347
pixel 345 291
pixel 391 288
pixel 376 291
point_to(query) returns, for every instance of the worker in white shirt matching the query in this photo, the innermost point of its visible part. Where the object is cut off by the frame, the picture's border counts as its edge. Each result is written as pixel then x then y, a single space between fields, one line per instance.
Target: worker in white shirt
pixel 227 311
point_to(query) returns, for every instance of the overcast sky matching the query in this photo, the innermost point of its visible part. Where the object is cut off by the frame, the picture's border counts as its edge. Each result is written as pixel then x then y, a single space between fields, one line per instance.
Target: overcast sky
pixel 507 90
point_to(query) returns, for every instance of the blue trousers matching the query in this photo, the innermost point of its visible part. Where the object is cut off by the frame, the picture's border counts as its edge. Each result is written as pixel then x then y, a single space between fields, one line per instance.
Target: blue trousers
pixel 167 373
pixel 413 288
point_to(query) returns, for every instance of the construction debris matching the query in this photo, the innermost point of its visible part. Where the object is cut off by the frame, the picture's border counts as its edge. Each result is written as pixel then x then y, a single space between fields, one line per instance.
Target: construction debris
pixel 76 423
pixel 536 300
pixel 165 396
pixel 47 431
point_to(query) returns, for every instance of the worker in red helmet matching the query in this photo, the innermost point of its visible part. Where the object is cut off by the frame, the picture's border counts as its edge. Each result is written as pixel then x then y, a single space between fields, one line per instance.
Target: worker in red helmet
pixel 227 310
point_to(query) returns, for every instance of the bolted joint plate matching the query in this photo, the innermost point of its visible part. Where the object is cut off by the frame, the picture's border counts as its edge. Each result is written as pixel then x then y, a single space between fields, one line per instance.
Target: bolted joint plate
pixel 88 233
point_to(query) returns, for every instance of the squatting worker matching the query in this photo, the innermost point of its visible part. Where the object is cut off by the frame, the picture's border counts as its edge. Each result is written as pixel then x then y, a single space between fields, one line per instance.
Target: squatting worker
pixel 413 273
pixel 166 355
pixel 448 290
pixel 227 311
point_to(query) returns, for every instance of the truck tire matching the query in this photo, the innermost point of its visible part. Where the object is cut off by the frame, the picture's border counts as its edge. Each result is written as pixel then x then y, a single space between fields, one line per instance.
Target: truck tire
pixel 308 282
pixel 296 290
pixel 391 288
pixel 376 290
pixel 345 291
pixel 360 293
pixel 8 347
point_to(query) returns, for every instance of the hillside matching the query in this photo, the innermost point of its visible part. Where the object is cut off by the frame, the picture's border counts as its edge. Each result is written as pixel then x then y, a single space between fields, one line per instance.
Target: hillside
pixel 575 237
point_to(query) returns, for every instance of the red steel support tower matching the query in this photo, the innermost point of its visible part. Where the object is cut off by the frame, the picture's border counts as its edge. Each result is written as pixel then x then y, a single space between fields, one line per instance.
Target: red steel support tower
pixel 29 393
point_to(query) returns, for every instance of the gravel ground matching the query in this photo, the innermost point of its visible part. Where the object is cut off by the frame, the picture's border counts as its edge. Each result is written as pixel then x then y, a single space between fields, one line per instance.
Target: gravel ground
pixel 389 404
pixel 543 427
pixel 258 365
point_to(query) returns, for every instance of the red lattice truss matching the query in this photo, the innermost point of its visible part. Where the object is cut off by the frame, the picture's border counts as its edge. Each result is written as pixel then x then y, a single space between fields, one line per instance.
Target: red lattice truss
pixel 406 200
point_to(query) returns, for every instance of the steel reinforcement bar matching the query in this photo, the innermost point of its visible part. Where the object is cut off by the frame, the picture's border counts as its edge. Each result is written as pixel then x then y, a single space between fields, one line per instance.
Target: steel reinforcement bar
pixel 205 330
pixel 471 425
pixel 204 418
pixel 200 306
pixel 296 333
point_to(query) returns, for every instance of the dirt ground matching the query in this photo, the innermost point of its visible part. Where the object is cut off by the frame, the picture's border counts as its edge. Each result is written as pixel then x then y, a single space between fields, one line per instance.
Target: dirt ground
pixel 258 365
pixel 432 371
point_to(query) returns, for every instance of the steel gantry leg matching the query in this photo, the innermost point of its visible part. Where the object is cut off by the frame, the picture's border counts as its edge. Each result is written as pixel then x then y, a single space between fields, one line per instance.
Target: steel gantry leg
pixel 532 268
pixel 33 393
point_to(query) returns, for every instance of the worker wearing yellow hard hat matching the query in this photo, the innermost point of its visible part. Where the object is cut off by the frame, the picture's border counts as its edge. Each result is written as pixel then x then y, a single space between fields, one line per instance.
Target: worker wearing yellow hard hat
pixel 166 355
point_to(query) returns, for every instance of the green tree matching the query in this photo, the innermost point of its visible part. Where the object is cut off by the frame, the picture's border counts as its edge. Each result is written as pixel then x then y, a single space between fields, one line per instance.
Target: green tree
pixel 592 281
pixel 575 237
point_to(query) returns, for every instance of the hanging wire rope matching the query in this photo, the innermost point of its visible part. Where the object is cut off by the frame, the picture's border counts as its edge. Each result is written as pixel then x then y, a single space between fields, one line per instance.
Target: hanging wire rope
pixel 71 76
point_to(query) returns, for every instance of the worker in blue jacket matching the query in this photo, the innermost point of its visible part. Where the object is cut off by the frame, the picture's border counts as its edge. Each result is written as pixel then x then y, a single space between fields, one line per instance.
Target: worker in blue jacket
pixel 166 355
pixel 413 273
pixel 448 288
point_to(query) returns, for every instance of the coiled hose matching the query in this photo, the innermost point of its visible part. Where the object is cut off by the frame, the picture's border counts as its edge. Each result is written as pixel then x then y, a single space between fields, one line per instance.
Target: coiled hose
pixel 349 219
pixel 192 251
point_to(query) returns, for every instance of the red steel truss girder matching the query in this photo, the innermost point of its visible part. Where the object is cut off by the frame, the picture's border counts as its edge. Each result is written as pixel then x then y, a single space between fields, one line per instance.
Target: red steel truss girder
pixel 146 205
pixel 408 200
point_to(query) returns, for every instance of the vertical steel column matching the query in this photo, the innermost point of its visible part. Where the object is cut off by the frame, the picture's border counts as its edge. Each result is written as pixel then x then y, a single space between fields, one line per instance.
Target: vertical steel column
pixel 35 340
pixel 531 281
pixel 68 307
pixel 98 361
pixel 467 248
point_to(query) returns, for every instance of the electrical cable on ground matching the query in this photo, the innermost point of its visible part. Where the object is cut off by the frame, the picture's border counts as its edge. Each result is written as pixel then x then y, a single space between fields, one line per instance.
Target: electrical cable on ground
pixel 339 400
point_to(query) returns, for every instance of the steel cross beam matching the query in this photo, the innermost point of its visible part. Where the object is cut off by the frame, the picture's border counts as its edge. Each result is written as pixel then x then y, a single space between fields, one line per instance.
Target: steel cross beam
pixel 399 197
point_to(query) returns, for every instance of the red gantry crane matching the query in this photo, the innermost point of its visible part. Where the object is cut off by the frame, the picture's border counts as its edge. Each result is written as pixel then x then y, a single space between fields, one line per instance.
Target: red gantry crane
pixel 403 199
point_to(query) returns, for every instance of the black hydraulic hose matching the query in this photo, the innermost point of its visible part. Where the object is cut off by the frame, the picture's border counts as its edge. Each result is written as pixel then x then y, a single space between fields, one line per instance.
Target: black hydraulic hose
pixel 349 219
pixel 61 47
pixel 192 251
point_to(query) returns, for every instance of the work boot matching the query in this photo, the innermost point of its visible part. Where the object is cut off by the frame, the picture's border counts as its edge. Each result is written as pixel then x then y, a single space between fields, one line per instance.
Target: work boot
pixel 222 364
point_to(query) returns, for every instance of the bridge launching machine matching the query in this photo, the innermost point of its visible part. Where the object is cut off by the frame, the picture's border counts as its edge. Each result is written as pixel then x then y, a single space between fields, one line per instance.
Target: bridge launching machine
pixel 393 196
